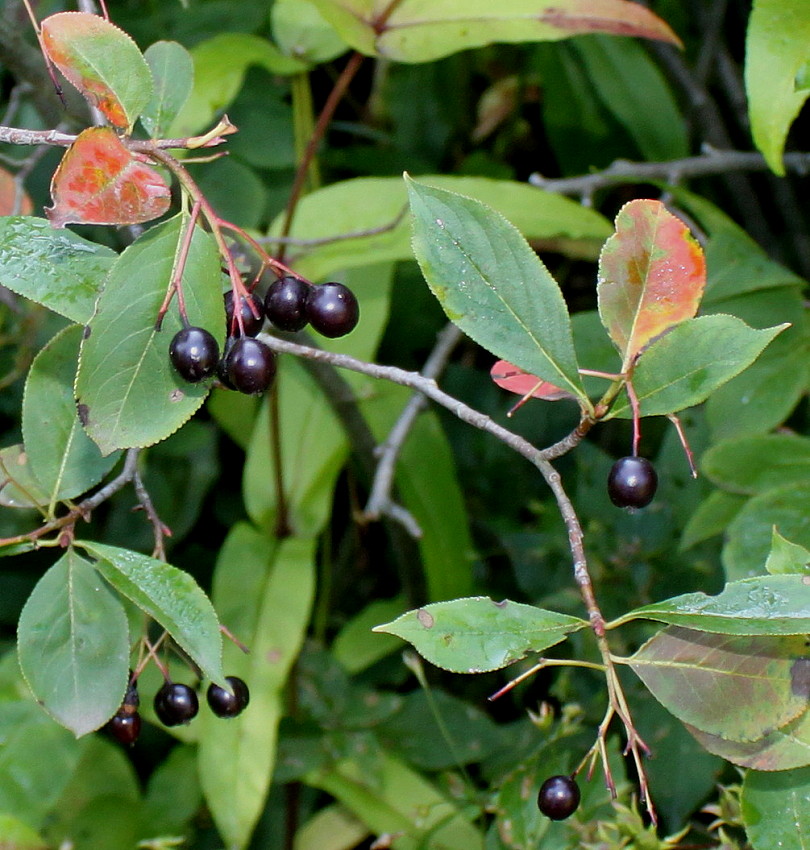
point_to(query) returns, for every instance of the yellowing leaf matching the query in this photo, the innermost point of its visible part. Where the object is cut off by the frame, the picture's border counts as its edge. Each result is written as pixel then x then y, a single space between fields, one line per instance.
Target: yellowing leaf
pixel 100 181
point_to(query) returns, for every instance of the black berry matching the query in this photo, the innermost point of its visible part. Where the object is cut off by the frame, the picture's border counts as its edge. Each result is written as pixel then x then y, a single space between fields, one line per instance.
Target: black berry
pixel 176 703
pixel 252 323
pixel 332 309
pixel 632 482
pixel 131 699
pixel 250 366
pixel 285 303
pixel 125 728
pixel 226 704
pixel 194 354
pixel 559 797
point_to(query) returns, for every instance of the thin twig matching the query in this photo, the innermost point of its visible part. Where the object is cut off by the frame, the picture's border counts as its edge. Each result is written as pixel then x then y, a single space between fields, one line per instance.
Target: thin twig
pixel 712 161
pixel 159 528
pixel 379 500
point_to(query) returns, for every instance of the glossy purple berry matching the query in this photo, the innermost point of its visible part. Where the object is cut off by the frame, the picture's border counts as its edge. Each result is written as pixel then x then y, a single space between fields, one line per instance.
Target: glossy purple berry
pixel 176 703
pixel 632 482
pixel 125 728
pixel 285 303
pixel 332 309
pixel 250 366
pixel 194 354
pixel 226 703
pixel 252 312
pixel 559 797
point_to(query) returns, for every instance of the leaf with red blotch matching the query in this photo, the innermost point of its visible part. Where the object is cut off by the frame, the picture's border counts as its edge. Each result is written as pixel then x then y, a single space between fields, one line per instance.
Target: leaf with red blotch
pixel 510 377
pixel 8 196
pixel 652 274
pixel 101 61
pixel 100 181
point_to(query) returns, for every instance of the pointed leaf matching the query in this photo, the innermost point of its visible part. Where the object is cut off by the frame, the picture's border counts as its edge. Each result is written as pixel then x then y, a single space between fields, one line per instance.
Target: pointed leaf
pixel 173 73
pixel 786 558
pixel 127 391
pixel 100 181
pixel 776 50
pixel 55 268
pixel 73 644
pixel 689 363
pixel 169 596
pixel 101 61
pixel 782 749
pixel 492 284
pixel 65 461
pixel 766 605
pixel 651 276
pixel 510 377
pixel 776 809
pixel 737 687
pixel 418 32
pixel 475 635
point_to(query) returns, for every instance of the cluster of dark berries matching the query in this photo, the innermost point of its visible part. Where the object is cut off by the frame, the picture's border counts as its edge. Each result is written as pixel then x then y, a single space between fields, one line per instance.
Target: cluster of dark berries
pixel 632 482
pixel 558 797
pixel 330 308
pixel 175 704
pixel 247 364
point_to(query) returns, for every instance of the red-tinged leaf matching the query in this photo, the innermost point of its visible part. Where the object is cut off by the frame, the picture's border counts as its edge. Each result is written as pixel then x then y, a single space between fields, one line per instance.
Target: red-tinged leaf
pixel 510 377
pixel 8 196
pixel 615 17
pixel 101 61
pixel 652 273
pixel 100 181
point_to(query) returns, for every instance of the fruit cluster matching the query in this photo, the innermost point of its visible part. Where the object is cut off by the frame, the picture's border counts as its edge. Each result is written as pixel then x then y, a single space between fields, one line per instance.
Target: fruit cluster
pixel 247 364
pixel 175 704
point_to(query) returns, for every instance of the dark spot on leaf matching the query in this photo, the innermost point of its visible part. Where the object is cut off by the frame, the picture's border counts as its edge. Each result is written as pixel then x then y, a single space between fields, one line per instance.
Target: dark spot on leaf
pixel 447 639
pixel 86 332
pixel 84 413
pixel 176 395
pixel 800 677
pixel 501 604
pixel 425 618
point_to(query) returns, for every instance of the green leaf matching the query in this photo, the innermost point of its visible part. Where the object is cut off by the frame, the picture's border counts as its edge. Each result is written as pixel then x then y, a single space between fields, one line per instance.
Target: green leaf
pixel 492 284
pixel 127 392
pixel 782 749
pixel 173 796
pixel 711 518
pixel 302 32
pixel 767 605
pixel 786 557
pixel 73 645
pixel 355 648
pixel 220 64
pixel 475 635
pixel 752 465
pixel 20 488
pixel 776 50
pixel 628 82
pixel 689 363
pixel 16 835
pixel 330 828
pixel 173 74
pixel 776 809
pixel 737 687
pixel 55 268
pixel 749 536
pixel 410 31
pixel 168 595
pixel 64 460
pixel 236 757
pixel 102 61
pixel 366 204
pixel 651 276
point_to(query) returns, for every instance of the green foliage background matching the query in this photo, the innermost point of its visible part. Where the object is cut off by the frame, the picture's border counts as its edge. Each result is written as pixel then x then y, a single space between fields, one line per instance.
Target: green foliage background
pixel 343 742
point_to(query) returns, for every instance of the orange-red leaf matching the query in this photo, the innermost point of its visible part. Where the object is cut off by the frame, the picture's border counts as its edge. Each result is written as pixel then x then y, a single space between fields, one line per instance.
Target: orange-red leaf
pixel 510 377
pixel 8 196
pixel 652 273
pixel 101 61
pixel 100 181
